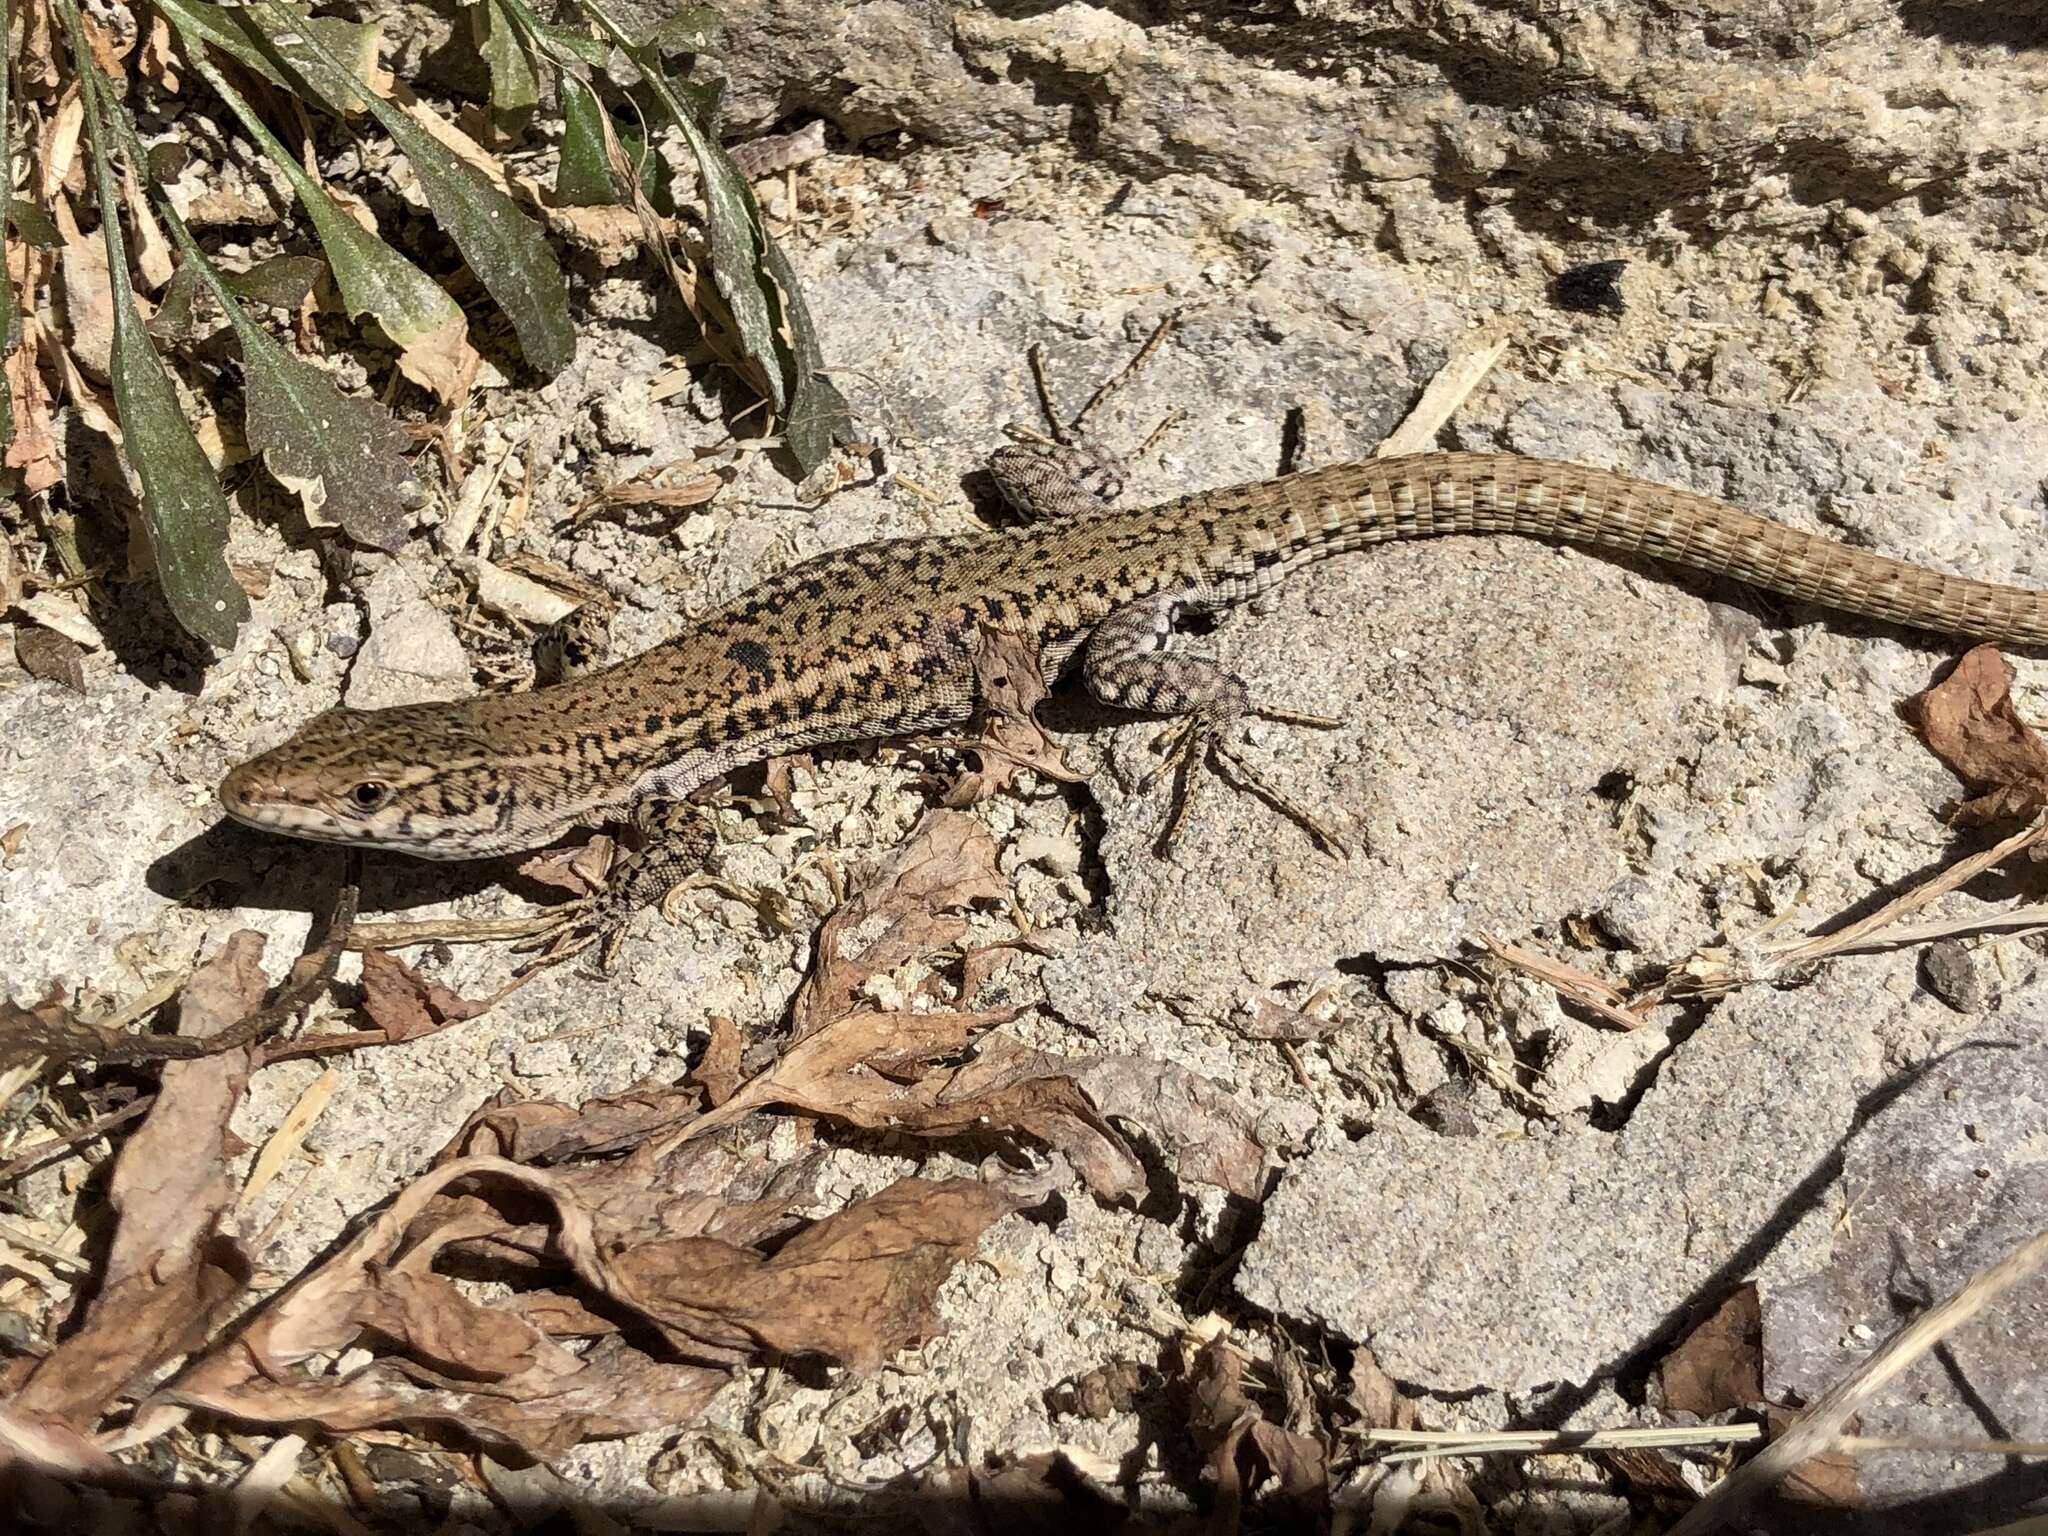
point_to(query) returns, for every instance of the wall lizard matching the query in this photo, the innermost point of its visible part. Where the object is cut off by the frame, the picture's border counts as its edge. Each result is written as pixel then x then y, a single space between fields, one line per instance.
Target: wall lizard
pixel 878 640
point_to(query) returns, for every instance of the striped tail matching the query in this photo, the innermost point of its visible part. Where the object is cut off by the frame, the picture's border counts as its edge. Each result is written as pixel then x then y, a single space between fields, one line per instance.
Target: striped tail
pixel 1417 496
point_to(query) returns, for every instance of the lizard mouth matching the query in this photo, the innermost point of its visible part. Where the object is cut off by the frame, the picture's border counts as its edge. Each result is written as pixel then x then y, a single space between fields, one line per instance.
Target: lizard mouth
pixel 244 797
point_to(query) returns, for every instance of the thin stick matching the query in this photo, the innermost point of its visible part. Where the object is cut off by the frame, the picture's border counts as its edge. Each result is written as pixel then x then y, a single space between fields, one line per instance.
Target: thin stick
pixel 31 1158
pixel 1035 356
pixel 1960 873
pixel 1817 1430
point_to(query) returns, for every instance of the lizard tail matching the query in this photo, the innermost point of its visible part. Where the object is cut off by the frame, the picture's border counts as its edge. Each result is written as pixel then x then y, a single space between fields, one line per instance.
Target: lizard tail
pixel 1420 495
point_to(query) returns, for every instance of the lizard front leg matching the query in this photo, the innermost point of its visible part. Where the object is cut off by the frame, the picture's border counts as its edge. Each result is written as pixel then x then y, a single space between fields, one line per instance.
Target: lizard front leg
pixel 1126 662
pixel 675 845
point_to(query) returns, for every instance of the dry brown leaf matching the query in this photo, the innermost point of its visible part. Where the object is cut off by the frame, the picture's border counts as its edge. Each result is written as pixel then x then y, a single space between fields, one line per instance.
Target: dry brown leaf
pixel 1204 1133
pixel 1377 1398
pixel 717 1071
pixel 854 1288
pixel 654 486
pixel 57 165
pixel 46 654
pixel 158 58
pixel 1009 685
pixel 1827 1480
pixel 1103 1393
pixel 176 1264
pixel 88 295
pixel 404 1004
pixel 610 232
pixel 779 782
pixel 446 1361
pixel 542 1131
pixel 36 64
pixel 33 449
pixel 578 870
pixel 1968 721
pixel 1244 1452
pixel 947 862
pixel 1719 1365
pixel 442 361
pixel 1046 1492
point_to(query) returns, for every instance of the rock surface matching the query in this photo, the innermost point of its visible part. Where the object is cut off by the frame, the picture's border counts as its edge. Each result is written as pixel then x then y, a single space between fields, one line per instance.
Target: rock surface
pixel 1833 215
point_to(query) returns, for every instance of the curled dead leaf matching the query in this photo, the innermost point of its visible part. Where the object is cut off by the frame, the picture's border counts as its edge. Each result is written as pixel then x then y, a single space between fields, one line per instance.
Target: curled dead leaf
pixel 404 1004
pixel 1969 722
pixel 176 1265
pixel 1009 684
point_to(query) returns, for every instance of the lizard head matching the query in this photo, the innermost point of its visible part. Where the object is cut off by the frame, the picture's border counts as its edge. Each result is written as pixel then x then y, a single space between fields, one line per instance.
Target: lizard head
pixel 418 779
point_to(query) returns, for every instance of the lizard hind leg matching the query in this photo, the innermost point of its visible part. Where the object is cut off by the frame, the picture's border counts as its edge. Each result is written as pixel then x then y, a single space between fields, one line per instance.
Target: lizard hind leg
pixel 1069 473
pixel 1126 663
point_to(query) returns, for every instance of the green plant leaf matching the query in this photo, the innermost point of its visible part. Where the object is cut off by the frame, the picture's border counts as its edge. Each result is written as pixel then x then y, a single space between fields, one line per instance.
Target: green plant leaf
pixel 237 34
pixel 514 86
pixel 592 51
pixel 583 172
pixel 33 224
pixel 583 176
pixel 343 457
pixel 752 275
pixel 427 326
pixel 184 515
pixel 508 251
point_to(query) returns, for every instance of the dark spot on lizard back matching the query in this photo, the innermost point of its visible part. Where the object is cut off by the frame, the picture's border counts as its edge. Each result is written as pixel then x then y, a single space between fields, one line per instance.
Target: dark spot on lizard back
pixel 752 655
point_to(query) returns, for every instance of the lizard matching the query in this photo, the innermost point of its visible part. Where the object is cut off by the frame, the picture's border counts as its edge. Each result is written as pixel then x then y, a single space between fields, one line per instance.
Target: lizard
pixel 879 640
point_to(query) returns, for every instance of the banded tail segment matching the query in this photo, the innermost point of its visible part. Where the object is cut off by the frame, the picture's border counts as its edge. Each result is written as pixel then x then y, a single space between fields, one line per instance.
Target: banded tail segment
pixel 1348 506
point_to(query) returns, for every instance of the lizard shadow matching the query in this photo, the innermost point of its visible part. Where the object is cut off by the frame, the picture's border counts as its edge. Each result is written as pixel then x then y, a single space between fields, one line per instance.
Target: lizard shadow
pixel 231 866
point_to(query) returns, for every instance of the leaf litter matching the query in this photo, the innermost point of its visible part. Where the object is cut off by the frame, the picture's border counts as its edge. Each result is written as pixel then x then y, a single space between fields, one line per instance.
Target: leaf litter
pixel 562 1273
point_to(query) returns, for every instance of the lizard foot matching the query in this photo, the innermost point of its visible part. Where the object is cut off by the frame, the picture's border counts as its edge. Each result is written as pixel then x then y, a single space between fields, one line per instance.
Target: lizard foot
pixel 677 841
pixel 1202 736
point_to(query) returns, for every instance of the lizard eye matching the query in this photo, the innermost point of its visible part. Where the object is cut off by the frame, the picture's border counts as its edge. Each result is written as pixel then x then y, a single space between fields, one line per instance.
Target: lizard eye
pixel 369 795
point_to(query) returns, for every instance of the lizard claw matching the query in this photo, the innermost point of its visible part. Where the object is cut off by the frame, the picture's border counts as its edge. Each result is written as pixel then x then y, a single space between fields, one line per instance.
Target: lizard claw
pixel 1199 737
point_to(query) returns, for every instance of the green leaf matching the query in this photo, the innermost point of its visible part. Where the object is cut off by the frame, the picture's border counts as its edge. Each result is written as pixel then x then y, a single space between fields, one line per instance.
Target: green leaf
pixel 583 176
pixel 753 277
pixel 425 324
pixel 343 457
pixel 184 515
pixel 33 224
pixel 237 34
pixel 508 251
pixel 514 86
pixel 592 51
pixel 282 281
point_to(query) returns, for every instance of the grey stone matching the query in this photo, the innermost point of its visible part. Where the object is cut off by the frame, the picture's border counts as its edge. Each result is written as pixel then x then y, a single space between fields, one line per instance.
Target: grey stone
pixel 1946 1179
pixel 1960 976
pixel 1516 1263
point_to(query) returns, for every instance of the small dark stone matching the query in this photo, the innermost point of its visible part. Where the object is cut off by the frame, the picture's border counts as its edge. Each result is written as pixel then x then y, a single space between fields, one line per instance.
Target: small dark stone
pixel 1955 973
pixel 1449 1110
pixel 1591 287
